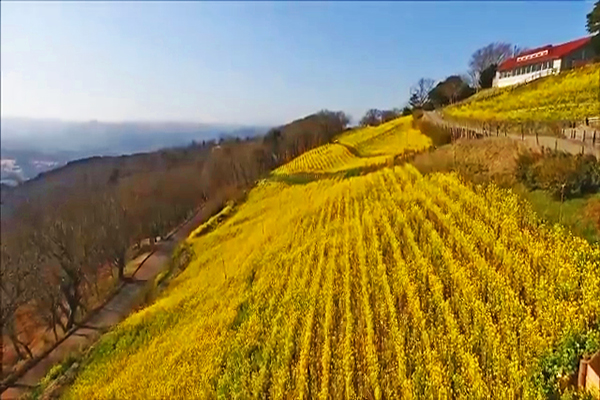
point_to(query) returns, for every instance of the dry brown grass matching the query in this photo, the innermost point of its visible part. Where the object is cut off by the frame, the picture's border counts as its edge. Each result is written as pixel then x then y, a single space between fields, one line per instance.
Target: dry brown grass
pixel 478 160
pixel 592 211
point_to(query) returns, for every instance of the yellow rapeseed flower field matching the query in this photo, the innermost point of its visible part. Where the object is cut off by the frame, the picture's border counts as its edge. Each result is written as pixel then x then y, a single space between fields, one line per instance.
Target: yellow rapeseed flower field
pixel 572 95
pixel 358 148
pixel 386 285
pixel 329 158
pixel 392 138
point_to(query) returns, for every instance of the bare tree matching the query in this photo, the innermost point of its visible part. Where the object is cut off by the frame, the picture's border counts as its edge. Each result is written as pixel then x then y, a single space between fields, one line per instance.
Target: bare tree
pixel 119 230
pixel 18 258
pixel 388 115
pixel 71 238
pixel 419 93
pixel 371 118
pixel 492 54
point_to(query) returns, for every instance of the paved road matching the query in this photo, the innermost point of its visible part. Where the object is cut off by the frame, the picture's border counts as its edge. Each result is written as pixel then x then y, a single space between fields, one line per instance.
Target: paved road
pixel 572 146
pixel 114 311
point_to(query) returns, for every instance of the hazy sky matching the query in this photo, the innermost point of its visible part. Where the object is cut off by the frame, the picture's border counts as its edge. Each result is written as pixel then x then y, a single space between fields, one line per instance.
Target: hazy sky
pixel 251 63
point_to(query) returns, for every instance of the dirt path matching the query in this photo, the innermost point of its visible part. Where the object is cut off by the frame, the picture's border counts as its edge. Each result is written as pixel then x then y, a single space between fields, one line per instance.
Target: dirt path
pixel 113 312
pixel 572 146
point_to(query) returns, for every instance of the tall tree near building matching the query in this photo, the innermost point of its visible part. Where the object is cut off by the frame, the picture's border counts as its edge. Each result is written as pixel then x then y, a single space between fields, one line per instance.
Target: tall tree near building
pixel 454 88
pixel 483 58
pixel 419 93
pixel 593 27
pixel 486 78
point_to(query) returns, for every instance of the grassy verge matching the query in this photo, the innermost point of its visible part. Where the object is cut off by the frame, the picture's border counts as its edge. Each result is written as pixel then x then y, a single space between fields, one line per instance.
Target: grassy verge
pixel 51 381
pixel 571 213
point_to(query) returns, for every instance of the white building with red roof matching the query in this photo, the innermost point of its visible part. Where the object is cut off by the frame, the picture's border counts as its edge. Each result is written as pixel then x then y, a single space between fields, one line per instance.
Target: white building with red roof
pixel 543 61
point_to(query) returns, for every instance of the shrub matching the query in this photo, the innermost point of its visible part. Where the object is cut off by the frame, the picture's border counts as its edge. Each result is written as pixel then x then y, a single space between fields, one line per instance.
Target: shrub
pixel 214 221
pixel 563 175
pixel 556 371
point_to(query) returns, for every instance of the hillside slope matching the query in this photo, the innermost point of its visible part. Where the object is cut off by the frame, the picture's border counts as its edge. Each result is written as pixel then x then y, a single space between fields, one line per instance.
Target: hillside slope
pixel 572 95
pixel 378 286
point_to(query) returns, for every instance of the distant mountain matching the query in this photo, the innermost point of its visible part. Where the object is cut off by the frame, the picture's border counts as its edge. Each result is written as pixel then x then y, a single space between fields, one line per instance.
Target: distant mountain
pixel 30 146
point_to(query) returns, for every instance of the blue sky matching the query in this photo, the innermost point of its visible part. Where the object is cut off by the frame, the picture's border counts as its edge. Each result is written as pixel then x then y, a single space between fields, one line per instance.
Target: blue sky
pixel 249 63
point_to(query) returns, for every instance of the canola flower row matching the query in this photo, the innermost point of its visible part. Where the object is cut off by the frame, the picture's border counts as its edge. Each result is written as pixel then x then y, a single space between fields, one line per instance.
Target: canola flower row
pixel 362 147
pixel 392 138
pixel 569 96
pixel 386 285
pixel 396 141
pixel 359 136
pixel 329 158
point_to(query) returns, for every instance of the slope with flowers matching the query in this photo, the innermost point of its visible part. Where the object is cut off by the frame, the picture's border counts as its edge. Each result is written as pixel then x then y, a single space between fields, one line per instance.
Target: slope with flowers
pixel 385 285
pixel 360 148
pixel 571 95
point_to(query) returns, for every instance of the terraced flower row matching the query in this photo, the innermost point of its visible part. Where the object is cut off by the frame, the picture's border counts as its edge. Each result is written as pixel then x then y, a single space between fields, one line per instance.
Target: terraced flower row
pixel 362 147
pixel 329 158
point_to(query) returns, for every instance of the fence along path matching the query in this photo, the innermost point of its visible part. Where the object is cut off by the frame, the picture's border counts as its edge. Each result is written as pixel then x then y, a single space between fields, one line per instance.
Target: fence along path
pixel 575 140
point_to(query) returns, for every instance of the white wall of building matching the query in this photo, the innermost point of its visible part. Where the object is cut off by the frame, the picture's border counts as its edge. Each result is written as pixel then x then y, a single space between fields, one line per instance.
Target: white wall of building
pixel 515 80
pixel 557 65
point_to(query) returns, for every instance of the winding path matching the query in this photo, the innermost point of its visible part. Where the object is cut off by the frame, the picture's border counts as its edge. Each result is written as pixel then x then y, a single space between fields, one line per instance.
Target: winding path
pixel 572 146
pixel 115 310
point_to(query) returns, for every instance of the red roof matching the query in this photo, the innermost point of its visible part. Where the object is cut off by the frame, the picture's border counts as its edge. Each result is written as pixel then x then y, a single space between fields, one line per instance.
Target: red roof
pixel 541 54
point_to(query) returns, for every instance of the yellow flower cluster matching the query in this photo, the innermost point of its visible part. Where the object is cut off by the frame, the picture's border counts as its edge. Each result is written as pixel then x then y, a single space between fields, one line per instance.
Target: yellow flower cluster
pixel 362 147
pixel 392 138
pixel 385 285
pixel 572 95
pixel 329 158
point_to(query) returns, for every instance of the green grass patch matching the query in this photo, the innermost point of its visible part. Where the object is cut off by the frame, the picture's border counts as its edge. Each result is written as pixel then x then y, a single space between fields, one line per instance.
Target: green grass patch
pixel 55 372
pixel 214 221
pixel 570 213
